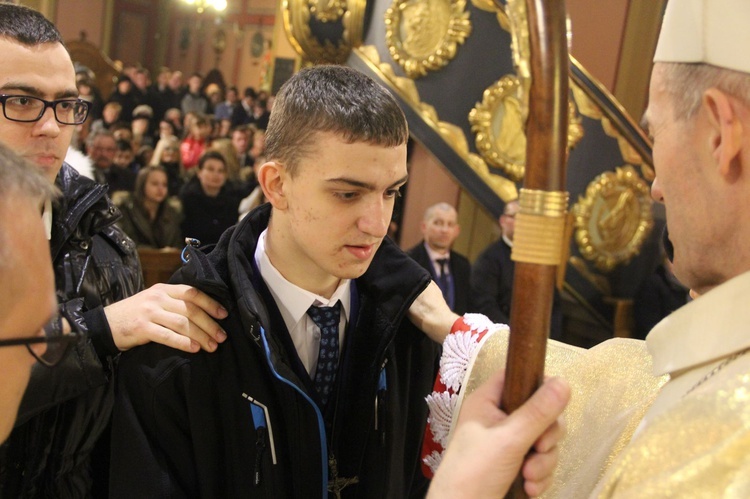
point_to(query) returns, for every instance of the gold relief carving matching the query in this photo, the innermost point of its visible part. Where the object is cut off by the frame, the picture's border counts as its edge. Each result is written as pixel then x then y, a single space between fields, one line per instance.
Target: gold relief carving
pixel 499 127
pixel 614 218
pixel 451 134
pixel 297 14
pixel 327 10
pixel 423 35
pixel 519 33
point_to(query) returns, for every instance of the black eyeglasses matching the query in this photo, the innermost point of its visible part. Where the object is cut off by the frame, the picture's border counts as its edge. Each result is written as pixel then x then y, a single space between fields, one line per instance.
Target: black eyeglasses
pixel 57 343
pixel 27 109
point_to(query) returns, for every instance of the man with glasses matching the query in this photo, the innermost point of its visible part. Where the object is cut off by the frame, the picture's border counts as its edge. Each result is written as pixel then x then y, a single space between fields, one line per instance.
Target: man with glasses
pixel 56 448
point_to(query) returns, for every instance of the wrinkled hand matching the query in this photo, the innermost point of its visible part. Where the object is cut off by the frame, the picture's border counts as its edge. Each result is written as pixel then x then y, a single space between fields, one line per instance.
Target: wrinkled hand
pixel 489 447
pixel 175 315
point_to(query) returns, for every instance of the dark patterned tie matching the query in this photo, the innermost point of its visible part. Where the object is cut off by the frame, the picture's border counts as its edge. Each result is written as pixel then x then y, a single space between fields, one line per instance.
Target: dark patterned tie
pixel 444 281
pixel 327 319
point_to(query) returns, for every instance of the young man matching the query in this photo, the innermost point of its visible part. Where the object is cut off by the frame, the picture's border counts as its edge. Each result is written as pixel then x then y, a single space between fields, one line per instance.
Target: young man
pixel 28 298
pixel 449 269
pixel 97 277
pixel 273 413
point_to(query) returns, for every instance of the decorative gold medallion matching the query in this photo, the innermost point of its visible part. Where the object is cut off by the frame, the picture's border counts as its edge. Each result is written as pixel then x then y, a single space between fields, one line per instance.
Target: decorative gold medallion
pixel 499 127
pixel 614 218
pixel 423 35
pixel 327 10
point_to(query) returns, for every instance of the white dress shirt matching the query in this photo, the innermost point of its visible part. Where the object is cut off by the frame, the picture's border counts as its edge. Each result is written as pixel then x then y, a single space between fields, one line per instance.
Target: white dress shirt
pixel 293 303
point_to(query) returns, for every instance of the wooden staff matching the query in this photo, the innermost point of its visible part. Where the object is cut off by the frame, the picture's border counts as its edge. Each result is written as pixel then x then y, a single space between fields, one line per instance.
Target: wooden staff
pixel 540 222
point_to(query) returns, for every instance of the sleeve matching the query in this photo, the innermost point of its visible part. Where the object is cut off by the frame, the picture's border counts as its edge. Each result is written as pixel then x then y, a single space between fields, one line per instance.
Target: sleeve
pixel 114 274
pixel 486 284
pixel 152 449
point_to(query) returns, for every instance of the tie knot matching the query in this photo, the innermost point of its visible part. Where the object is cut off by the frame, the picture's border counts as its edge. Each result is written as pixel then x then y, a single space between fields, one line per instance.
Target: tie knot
pixel 443 262
pixel 325 317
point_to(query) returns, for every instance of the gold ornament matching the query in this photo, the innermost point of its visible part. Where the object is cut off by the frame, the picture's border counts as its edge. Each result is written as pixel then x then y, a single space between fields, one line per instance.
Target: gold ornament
pixel 423 35
pixel 614 218
pixel 499 127
pixel 327 10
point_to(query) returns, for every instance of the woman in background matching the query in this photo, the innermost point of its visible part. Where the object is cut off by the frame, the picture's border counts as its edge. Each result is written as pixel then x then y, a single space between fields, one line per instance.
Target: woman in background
pixel 147 216
pixel 167 155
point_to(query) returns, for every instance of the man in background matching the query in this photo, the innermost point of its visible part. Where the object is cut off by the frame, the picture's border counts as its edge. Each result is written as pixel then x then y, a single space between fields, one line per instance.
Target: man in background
pixel 449 269
pixel 492 277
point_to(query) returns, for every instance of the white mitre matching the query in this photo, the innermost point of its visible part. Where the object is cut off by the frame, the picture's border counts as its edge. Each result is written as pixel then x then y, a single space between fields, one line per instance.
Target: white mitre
pixel 715 32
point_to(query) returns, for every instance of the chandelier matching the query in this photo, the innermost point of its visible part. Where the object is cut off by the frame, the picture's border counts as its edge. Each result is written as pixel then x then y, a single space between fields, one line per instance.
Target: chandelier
pixel 201 5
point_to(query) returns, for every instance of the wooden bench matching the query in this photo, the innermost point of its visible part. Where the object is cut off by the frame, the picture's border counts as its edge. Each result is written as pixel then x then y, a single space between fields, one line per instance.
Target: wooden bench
pixel 158 265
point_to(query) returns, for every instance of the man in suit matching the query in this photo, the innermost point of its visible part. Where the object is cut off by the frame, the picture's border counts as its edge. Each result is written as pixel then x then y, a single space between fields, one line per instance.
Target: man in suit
pixel 450 270
pixel 492 277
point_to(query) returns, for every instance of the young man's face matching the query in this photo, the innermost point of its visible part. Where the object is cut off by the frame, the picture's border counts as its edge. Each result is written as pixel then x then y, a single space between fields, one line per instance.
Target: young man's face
pixel 28 298
pixel 335 211
pixel 43 71
pixel 240 141
pixel 123 158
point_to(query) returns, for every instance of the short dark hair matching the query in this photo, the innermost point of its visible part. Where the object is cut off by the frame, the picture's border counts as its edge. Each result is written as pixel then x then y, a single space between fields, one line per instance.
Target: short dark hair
pixel 211 155
pixel 333 99
pixel 124 145
pixel 27 26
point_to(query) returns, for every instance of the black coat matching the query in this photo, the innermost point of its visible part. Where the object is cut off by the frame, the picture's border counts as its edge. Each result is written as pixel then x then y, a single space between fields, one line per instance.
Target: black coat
pixel 184 423
pixel 205 218
pixel 460 269
pixel 492 287
pixel 66 409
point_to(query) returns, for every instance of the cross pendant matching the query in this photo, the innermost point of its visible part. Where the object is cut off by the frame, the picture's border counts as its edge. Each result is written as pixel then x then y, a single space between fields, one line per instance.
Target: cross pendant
pixel 336 484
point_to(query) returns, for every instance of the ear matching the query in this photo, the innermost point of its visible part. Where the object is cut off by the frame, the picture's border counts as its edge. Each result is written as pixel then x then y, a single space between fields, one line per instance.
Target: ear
pixel 725 132
pixel 271 177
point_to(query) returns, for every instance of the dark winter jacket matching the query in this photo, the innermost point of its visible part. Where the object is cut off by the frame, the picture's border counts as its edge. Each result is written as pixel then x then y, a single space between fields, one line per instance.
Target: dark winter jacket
pixel 244 422
pixel 66 409
pixel 164 231
pixel 204 217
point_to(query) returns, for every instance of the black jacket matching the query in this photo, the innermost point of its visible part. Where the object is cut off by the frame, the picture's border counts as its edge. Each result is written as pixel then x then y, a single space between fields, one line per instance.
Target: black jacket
pixel 492 287
pixel 67 408
pixel 204 217
pixel 460 269
pixel 196 425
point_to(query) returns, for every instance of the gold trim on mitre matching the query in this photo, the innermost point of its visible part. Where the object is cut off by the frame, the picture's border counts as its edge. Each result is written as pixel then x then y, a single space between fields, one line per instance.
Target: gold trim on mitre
pixel 614 218
pixel 423 35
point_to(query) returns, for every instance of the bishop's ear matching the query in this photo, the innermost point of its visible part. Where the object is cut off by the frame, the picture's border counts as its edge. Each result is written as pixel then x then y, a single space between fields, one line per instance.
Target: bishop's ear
pixel 725 131
pixel 271 179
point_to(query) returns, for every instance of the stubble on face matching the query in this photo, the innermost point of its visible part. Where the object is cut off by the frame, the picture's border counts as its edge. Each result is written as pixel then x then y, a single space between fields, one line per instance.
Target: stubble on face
pixel 44 71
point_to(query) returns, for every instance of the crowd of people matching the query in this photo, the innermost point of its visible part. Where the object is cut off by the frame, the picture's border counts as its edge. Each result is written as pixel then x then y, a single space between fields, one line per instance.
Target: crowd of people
pixel 180 128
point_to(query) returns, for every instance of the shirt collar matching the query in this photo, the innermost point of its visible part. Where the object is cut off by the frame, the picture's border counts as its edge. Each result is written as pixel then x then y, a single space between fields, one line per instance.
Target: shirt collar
pixel 47 218
pixel 296 300
pixel 434 255
pixel 708 328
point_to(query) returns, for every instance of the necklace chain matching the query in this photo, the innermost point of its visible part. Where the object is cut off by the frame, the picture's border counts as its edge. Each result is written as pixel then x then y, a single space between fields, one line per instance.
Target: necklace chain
pixel 718 368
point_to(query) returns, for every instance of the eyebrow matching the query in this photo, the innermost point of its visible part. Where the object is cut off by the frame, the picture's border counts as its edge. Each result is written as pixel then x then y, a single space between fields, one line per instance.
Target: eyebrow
pixel 366 185
pixel 36 92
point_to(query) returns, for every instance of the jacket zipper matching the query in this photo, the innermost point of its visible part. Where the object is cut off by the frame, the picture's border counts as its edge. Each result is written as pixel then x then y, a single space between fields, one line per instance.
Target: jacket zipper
pixel 321 422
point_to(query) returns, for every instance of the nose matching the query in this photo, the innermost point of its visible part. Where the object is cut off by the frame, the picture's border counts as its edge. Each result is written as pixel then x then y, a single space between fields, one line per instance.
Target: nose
pixel 47 124
pixel 656 192
pixel 376 218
